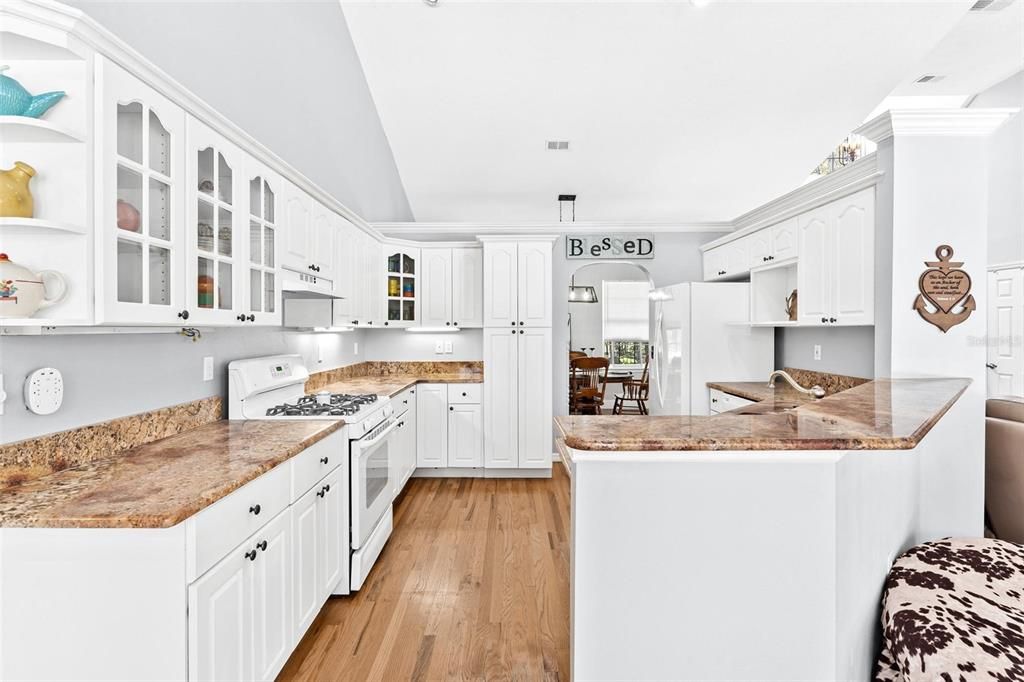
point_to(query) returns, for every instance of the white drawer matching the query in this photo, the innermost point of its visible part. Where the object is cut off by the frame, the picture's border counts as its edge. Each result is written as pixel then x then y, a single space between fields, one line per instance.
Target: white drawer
pixel 214 531
pixel 470 394
pixel 405 400
pixel 723 402
pixel 316 461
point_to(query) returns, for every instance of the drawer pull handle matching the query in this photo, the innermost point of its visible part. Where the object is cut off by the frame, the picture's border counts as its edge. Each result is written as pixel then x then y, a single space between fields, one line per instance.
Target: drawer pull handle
pixel 323 460
pixel 255 509
pixel 262 546
pixel 251 555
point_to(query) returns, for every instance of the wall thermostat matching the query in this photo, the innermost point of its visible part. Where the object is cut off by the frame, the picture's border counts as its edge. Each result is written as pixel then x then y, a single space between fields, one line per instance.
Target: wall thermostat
pixel 44 391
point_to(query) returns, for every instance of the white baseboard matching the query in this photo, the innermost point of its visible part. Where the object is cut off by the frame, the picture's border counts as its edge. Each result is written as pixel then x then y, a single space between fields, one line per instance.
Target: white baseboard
pixel 458 472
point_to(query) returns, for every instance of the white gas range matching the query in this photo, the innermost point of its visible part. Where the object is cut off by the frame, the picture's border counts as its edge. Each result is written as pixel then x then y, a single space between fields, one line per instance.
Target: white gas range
pixel 273 387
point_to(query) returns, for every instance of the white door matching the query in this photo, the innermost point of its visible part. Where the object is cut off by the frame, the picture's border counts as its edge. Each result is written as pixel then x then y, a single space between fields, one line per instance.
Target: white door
pixel 467 287
pixel 332 524
pixel 271 597
pixel 814 267
pixel 501 287
pixel 534 272
pixel 784 240
pixel 435 282
pixel 432 425
pixel 759 248
pixel 1006 332
pixel 298 229
pixel 465 436
pixel 534 398
pixel 140 253
pixel 305 561
pixel 853 275
pixel 501 390
pixel 325 233
pixel 220 620
pixel 216 220
pixel 262 283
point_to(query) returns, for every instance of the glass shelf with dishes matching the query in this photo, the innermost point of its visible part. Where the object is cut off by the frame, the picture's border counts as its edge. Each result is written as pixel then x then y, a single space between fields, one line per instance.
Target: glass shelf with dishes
pixel 401 292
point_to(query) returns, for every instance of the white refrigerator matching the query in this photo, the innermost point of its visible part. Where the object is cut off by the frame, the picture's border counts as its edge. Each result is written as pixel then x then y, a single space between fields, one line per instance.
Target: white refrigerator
pixel 701 334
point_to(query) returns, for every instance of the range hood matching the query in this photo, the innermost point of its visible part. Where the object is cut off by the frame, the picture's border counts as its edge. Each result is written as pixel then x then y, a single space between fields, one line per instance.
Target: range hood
pixel 302 285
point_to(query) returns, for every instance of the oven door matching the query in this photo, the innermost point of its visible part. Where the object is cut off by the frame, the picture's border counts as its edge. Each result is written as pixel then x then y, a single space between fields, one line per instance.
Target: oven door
pixel 372 484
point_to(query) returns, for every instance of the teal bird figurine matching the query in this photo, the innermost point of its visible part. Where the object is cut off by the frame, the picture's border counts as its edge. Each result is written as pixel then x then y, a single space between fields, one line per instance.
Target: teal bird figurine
pixel 15 100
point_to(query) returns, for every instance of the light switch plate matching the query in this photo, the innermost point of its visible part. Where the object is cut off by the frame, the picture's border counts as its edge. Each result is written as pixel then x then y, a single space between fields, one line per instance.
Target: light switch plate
pixel 438 347
pixel 448 346
pixel 355 348
pixel 208 368
pixel 3 394
pixel 817 351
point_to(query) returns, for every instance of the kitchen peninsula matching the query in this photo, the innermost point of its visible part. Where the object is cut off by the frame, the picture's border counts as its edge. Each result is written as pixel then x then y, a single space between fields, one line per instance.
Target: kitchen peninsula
pixel 755 542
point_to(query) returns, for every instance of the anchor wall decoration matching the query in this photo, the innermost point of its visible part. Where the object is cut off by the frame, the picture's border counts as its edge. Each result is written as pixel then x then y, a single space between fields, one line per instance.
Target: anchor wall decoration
pixel 944 286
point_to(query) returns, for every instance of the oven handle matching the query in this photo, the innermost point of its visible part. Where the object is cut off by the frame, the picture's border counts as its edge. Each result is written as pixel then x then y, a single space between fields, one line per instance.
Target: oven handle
pixel 369 444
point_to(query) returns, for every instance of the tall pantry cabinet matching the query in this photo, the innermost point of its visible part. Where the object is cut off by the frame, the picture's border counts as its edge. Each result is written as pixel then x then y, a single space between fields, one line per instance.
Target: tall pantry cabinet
pixel 517 352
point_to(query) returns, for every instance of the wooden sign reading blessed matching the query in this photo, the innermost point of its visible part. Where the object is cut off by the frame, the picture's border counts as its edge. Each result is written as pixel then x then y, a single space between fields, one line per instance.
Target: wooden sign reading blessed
pixel 945 299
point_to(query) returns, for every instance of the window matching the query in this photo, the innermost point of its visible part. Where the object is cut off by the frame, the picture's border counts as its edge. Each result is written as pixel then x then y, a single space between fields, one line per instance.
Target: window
pixel 624 316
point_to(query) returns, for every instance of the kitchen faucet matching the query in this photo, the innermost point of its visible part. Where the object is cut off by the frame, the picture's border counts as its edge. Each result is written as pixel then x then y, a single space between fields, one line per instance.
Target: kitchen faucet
pixel 815 391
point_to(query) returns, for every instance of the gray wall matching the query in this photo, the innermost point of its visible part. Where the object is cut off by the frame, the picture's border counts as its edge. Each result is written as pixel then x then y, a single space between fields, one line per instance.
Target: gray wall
pixel 285 72
pixel 288 74
pixel 393 345
pixel 1006 173
pixel 848 350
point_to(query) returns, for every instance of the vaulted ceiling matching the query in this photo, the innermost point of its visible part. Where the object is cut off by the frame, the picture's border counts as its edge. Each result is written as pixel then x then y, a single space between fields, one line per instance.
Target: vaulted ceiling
pixel 674 113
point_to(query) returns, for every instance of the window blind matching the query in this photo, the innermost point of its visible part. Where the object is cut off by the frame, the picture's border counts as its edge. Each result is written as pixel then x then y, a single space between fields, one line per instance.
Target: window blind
pixel 625 311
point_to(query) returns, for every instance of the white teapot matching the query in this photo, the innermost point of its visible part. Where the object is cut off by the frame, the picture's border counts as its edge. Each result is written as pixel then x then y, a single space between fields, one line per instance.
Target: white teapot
pixel 22 291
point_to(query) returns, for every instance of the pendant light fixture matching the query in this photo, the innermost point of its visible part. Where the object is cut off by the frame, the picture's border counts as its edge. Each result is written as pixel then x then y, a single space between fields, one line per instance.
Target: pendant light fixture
pixel 581 294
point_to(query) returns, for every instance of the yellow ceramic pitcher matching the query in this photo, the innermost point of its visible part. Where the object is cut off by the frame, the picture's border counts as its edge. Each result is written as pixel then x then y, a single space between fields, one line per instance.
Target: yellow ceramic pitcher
pixel 15 195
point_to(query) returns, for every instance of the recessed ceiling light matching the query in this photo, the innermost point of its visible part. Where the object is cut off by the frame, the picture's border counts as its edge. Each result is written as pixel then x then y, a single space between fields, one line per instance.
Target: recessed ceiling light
pixel 929 78
pixel 558 145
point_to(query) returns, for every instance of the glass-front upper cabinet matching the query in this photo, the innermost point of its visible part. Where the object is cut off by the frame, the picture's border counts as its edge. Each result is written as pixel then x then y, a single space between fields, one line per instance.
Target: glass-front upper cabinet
pixel 140 207
pixel 263 290
pixel 217 210
pixel 400 281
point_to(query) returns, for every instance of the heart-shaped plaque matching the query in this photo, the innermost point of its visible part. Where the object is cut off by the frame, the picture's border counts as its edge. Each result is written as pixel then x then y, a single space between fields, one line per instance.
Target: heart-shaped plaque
pixel 945 289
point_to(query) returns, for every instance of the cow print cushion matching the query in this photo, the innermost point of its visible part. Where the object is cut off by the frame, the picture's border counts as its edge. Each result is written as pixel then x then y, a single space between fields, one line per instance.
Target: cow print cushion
pixel 953 610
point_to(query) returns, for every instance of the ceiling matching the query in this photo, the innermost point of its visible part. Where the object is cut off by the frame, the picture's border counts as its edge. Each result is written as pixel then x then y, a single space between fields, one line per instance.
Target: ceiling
pixel 674 113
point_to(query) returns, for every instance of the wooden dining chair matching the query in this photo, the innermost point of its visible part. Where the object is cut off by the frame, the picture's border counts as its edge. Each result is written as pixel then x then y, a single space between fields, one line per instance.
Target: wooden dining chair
pixel 573 354
pixel 588 383
pixel 634 390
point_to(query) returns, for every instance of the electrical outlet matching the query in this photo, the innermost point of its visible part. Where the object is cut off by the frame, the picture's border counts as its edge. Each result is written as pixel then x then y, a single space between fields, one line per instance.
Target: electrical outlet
pixel 438 347
pixel 817 351
pixel 320 350
pixel 3 394
pixel 355 348
pixel 448 346
pixel 208 368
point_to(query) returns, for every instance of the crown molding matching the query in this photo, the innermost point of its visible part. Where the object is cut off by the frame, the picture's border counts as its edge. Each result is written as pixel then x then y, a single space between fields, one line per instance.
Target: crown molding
pixel 1012 265
pixel 953 122
pixel 400 229
pixel 76 31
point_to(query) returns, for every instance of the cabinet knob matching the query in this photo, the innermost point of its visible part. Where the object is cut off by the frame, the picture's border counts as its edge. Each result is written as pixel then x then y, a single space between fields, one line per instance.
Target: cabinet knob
pixel 513 331
pixel 714 400
pixel 405 402
pixel 251 555
pixel 386 323
pixel 831 319
pixel 513 324
pixel 320 493
pixel 771 257
pixel 252 318
pixel 255 509
pixel 183 314
pixel 455 324
pixel 240 318
pixel 991 365
pixel 327 488
pixel 521 331
pixel 451 409
pixel 463 394
pixel 447 324
pixel 262 546
pixel 764 259
pixel 521 323
pixel 355 321
pixel 824 319
pixel 323 460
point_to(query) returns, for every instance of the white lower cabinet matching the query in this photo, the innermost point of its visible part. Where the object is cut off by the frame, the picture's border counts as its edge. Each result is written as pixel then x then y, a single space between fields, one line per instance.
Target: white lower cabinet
pixel 405 440
pixel 332 524
pixel 271 583
pixel 320 531
pixel 465 436
pixel 432 425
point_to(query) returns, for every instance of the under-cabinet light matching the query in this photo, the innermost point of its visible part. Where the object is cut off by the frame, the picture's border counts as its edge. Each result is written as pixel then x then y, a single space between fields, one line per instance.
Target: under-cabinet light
pixel 332 330
pixel 433 330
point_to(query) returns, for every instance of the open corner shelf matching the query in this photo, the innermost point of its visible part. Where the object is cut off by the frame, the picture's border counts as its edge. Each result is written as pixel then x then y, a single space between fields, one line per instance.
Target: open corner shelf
pixel 32 224
pixel 23 129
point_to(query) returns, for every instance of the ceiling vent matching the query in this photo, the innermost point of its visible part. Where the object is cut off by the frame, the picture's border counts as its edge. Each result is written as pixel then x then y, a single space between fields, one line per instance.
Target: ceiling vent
pixel 991 5
pixel 929 78
pixel 558 145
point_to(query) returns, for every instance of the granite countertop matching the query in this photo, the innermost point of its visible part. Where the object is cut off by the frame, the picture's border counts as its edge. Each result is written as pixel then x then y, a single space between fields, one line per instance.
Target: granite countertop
pixel 393 384
pixel 159 484
pixel 758 391
pixel 885 414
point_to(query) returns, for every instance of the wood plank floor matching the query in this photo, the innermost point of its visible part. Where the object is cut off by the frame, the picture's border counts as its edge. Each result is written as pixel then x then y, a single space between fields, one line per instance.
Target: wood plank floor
pixel 472 585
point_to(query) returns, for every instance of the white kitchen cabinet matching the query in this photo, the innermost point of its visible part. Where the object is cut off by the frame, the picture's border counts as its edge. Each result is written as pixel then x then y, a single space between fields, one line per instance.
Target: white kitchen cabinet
pixel 835 271
pixel 432 425
pixel 306 561
pixel 759 248
pixel 784 240
pixel 345 279
pixel 517 398
pixel 368 307
pixel 402 285
pixel 405 440
pixel 298 229
pixel 436 288
pixel 217 206
pixel 140 253
pixel 467 287
pixel 535 297
pixel 465 435
pixel 714 263
pixel 262 282
pixel 517 283
pixel 270 582
pixel 501 398
pixel 332 526
pixel 728 261
pixel 324 241
pixel 239 611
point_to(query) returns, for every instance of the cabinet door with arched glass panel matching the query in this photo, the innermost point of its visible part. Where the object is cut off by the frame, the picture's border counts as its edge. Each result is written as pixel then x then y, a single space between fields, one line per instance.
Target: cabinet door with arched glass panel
pixel 140 202
pixel 217 210
pixel 262 282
